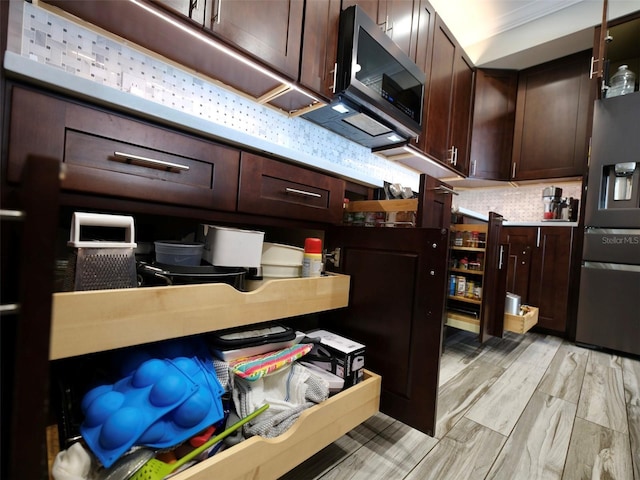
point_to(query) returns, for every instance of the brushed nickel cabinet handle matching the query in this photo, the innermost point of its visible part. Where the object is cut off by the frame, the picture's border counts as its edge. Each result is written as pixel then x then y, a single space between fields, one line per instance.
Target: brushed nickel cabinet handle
pixel 151 162
pixel 302 192
pixel 513 170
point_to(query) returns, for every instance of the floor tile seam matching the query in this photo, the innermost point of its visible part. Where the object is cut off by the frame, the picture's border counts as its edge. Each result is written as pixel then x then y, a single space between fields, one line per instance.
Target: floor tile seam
pixel 555 396
pixel 634 398
pixel 529 400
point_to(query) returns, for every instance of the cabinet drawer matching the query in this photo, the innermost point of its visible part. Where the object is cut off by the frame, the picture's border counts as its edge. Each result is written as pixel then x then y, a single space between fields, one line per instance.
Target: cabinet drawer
pixel 316 428
pixel 110 154
pixel 273 188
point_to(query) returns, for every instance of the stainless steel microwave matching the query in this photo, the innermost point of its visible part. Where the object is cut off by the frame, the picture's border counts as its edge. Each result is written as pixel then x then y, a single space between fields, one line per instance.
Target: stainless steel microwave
pixel 379 90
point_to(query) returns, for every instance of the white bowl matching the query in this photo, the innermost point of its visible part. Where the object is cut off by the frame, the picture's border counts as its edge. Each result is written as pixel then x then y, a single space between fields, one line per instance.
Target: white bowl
pixel 281 270
pixel 279 254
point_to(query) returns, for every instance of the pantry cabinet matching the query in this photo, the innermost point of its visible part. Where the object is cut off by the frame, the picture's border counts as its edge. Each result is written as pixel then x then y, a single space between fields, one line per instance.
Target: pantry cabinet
pixel 477 278
pixel 493 124
pixel 447 116
pixel 553 116
pixel 539 270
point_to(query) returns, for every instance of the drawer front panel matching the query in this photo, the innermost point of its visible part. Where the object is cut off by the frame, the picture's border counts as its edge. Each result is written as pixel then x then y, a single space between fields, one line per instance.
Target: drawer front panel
pixel 169 166
pixel 273 188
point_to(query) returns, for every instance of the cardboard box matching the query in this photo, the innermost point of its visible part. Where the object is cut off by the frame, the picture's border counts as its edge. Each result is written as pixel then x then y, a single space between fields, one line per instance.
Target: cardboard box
pixel 347 354
pixel 521 323
pixel 231 247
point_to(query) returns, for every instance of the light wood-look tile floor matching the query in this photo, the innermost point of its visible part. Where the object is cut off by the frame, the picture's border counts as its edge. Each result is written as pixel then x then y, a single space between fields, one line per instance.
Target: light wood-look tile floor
pixel 523 407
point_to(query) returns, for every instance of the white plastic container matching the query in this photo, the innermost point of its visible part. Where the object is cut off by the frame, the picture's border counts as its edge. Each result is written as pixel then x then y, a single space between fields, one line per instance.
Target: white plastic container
pixel 280 254
pixel 281 270
pixel 232 247
pixel 188 254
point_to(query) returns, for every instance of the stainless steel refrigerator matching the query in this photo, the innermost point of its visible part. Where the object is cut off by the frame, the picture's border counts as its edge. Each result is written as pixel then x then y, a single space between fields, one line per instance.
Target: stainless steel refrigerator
pixel 609 301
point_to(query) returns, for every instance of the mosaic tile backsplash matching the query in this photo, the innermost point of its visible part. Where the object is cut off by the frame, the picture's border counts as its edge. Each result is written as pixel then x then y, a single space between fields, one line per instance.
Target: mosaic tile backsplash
pixel 517 204
pixel 55 41
pixel 59 43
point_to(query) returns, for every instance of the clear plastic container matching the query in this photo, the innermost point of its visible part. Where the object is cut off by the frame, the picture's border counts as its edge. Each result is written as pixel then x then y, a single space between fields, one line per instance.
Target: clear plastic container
pixel 622 82
pixel 179 253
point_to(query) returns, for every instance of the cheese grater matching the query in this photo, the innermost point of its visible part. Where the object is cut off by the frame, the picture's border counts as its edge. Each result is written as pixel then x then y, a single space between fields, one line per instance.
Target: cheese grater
pixel 98 265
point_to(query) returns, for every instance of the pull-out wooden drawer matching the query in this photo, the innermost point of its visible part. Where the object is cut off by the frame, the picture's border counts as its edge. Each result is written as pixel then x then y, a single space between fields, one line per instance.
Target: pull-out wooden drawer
pixel 273 188
pixel 110 154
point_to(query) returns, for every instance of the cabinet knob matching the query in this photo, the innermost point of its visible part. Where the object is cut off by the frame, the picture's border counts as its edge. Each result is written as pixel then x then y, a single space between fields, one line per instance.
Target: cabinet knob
pixel 432 273
pixel 434 245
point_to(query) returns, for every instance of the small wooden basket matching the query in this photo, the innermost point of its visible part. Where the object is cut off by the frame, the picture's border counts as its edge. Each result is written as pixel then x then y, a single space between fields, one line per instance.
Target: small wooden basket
pixel 521 323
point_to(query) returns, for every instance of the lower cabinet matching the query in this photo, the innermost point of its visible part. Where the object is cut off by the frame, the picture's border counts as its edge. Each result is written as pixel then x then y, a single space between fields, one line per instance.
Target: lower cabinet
pixel 396 308
pixel 277 189
pixel 540 271
pixel 111 154
pixel 95 321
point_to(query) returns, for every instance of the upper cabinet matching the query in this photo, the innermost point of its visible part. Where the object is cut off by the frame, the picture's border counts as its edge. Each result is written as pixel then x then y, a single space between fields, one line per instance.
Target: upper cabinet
pixel 270 31
pixel 320 46
pixel 553 112
pixel 447 115
pixel 494 115
pixel 615 45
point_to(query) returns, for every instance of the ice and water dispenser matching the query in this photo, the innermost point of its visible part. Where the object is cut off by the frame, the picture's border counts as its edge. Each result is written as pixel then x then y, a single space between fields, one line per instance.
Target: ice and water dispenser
pixel 620 185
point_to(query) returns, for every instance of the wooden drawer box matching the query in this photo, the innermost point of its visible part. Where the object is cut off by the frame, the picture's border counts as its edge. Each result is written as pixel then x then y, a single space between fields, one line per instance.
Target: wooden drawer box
pixel 521 323
pixel 110 154
pixel 317 427
pixel 100 320
pixel 273 188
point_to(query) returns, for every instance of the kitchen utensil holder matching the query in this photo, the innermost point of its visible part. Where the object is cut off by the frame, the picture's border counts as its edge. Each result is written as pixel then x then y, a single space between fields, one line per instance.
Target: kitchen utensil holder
pixel 98 265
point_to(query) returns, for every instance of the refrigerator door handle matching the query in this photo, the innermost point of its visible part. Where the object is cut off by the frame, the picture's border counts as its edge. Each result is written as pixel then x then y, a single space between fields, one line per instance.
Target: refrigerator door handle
pixel 621 267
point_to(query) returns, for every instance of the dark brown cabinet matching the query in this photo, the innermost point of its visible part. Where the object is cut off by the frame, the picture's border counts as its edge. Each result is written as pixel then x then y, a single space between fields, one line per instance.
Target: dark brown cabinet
pixel 273 188
pixel 106 153
pixel 477 278
pixel 320 46
pixel 617 44
pixel 553 114
pixel 493 123
pixel 540 271
pixel 396 304
pixel 270 31
pixel 447 116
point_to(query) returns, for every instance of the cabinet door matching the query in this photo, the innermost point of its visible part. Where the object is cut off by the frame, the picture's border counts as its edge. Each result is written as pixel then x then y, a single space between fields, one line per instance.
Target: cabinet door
pixel 396 307
pixel 435 132
pixel 278 189
pixel 401 24
pixel 550 274
pixel 463 75
pixel 270 31
pixel 495 278
pixel 447 117
pixel 320 46
pixel 493 121
pixel 553 110
pixel 198 11
pixel 521 241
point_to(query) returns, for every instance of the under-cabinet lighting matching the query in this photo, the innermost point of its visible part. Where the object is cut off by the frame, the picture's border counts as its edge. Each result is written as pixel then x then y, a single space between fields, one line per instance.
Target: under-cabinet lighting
pixel 429 160
pixel 223 48
pixel 394 138
pixel 340 108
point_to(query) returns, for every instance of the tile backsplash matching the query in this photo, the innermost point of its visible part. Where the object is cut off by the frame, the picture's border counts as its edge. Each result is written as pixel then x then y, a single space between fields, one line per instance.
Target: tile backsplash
pixel 57 42
pixel 517 204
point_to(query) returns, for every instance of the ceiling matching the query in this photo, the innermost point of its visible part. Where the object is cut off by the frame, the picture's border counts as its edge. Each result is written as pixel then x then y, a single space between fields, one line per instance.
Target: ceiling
pixel 521 33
